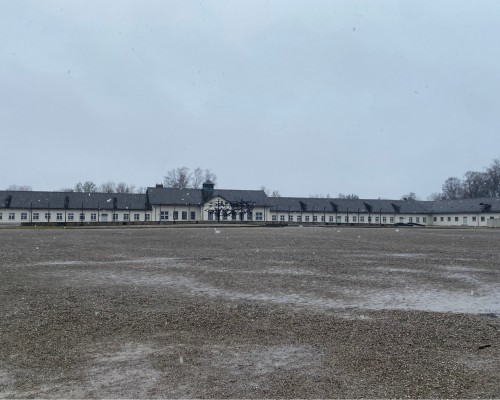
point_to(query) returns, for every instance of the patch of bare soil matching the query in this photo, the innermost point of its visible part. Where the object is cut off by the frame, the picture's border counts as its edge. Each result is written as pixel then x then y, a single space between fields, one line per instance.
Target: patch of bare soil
pixel 249 313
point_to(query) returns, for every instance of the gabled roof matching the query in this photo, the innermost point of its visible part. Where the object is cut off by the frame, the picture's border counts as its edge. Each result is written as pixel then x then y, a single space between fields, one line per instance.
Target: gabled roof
pixel 466 205
pixel 193 197
pixel 71 200
pixel 174 196
pixel 258 197
pixel 318 205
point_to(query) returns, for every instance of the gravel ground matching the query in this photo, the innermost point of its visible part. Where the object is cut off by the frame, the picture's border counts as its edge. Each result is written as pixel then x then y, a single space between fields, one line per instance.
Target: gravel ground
pixel 249 313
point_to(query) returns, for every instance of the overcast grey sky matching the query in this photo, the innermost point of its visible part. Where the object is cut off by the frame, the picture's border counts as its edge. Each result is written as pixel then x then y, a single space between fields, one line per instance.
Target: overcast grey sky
pixel 377 98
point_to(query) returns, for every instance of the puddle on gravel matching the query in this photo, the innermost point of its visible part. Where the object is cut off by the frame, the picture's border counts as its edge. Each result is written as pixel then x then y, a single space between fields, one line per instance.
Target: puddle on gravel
pixel 126 373
pixel 461 289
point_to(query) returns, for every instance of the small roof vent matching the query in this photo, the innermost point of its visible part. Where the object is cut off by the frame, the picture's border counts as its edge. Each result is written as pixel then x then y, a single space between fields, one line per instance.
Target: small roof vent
pixel 396 207
pixel 485 207
pixel 7 201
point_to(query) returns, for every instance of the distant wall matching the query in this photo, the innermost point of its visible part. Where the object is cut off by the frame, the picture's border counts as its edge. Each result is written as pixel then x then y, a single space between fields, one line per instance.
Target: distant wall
pixel 494 223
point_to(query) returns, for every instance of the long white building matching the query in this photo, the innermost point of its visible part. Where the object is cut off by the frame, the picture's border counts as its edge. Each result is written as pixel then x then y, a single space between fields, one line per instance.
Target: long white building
pixel 161 205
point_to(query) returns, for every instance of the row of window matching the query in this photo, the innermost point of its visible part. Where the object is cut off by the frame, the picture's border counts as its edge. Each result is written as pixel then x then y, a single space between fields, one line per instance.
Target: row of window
pixel 235 216
pixel 464 219
pixel 352 218
pixel 164 215
pixel 71 216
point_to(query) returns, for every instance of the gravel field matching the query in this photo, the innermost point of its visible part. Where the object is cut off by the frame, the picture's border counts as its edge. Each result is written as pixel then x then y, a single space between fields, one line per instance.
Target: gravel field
pixel 249 313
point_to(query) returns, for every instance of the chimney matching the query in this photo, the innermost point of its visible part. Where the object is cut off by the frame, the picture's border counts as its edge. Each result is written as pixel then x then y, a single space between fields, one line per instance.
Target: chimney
pixel 208 191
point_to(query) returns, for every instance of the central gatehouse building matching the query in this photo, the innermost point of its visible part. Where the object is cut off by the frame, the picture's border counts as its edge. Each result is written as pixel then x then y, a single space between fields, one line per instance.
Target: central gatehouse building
pixel 161 205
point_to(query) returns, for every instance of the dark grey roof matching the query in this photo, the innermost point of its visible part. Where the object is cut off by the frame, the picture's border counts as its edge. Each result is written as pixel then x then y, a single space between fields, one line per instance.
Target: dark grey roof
pixel 175 196
pixel 72 200
pixel 258 197
pixel 466 206
pixel 304 204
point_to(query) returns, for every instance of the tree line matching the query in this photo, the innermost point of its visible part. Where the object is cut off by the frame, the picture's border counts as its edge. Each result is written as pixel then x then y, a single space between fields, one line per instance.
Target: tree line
pixel 183 177
pixel 474 184
pixel 106 187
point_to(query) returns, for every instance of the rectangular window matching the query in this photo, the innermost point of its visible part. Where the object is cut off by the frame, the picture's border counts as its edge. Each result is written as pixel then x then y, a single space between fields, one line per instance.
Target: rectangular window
pixel 82 216
pixel 492 217
pixel 354 218
pixel 449 219
pixel 210 215
pixel 24 216
pixel 417 219
pixel 259 216
pixel 290 218
pixel 307 218
pixel 249 216
pixel 362 218
pixel 59 216
pixel 36 216
pixel 474 219
pixel 330 218
pixel 315 218
pixel 147 217
pixel 282 218
pixel 346 219
pixel 435 219
pixel 441 218
pixel 1 215
pixel 193 215
pixel 47 216
pixel 185 215
pixel 125 217
pixel 163 215
pixel 176 215
pixel 338 218
pixel 115 217
pixel 71 216
pixel 424 219
pixel 391 220
pixel 369 219
pixel 137 217
pixel 12 216
pixel 377 219
pixel 322 218
pixel 482 219
pixel 274 218
pixel 456 219
pixel 410 219
pixel 93 217
pixel 384 219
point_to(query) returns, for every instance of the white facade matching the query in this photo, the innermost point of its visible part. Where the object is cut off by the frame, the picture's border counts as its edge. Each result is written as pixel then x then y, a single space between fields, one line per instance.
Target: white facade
pixel 19 208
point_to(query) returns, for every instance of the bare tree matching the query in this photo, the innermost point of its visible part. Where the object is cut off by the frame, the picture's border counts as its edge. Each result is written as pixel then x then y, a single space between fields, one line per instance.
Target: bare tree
pixel 141 189
pixel 20 188
pixel 475 184
pixel 452 189
pixel 348 196
pixel 197 178
pixel 210 176
pixel 409 196
pixel 275 193
pixel 184 178
pixel 108 187
pixel 493 178
pixel 178 178
pixel 435 196
pixel 86 187
pixel 122 187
